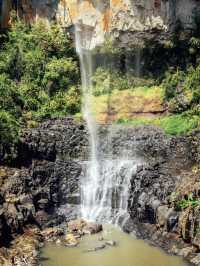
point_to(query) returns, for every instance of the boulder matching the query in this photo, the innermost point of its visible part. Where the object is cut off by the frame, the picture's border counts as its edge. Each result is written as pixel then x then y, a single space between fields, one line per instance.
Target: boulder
pixel 185 252
pixel 196 260
pixel 196 240
pixel 166 216
pixel 111 243
pixel 76 226
pixel 96 248
pixel 71 240
pixel 52 232
pixel 92 228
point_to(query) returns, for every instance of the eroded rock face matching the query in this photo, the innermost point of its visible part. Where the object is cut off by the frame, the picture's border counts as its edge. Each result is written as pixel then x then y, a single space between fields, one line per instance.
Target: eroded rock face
pixel 47 177
pixel 55 139
pixel 128 21
pixel 150 186
pixel 51 165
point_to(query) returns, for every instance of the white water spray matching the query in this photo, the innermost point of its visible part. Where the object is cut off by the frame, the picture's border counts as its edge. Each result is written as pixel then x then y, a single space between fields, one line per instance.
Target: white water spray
pixel 92 175
pixel 105 186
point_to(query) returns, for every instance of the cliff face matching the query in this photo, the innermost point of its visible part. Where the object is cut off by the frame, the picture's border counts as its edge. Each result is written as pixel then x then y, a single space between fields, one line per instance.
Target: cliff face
pixel 126 20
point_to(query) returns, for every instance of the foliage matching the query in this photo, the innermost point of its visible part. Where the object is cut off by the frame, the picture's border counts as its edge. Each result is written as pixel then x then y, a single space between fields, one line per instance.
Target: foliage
pixel 190 201
pixel 178 124
pixel 182 89
pixel 171 81
pixel 38 77
pixel 60 74
pixel 172 125
pixel 9 134
pixel 106 80
pixel 108 47
pixel 192 83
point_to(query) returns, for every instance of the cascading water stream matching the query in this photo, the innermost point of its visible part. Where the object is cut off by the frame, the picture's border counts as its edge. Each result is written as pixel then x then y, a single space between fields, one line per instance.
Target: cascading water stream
pixel 90 184
pixel 105 186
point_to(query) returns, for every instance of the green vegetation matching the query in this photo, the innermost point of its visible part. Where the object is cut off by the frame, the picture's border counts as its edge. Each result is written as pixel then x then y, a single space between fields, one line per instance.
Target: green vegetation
pixel 106 80
pixel 39 79
pixel 123 104
pixel 178 124
pixel 127 95
pixel 172 125
pixel 182 89
pixel 190 201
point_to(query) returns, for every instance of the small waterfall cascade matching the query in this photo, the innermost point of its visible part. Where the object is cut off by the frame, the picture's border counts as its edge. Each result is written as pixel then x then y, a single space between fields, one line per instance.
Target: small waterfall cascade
pixel 90 184
pixel 106 179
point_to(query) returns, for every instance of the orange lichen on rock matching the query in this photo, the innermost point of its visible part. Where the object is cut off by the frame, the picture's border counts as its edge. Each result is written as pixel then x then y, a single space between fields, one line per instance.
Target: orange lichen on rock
pixel 87 6
pixel 117 2
pixel 106 20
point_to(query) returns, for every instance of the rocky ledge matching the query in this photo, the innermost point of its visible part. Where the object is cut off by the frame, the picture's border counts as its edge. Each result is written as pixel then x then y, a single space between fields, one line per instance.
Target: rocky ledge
pixel 49 169
pixel 164 203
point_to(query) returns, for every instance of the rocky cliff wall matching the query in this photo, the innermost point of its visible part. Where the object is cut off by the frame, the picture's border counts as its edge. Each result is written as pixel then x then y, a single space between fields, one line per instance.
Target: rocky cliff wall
pixel 123 19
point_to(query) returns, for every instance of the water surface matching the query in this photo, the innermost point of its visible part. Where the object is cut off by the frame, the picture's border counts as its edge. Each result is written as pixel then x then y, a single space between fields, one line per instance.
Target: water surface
pixel 128 252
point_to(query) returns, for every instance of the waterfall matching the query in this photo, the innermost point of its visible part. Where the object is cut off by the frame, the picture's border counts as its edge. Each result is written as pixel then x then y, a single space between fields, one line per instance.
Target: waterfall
pixel 90 184
pixel 105 184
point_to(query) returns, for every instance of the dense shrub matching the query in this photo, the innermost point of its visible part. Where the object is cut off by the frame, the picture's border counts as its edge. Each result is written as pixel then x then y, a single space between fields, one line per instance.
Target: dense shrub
pixel 182 89
pixel 105 81
pixel 38 78
pixel 171 83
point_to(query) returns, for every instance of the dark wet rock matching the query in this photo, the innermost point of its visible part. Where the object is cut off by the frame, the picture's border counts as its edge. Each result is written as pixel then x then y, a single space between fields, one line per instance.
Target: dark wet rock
pixel 83 227
pixel 196 260
pixel 148 142
pixel 52 233
pixel 96 248
pixel 163 213
pixel 54 183
pixel 55 138
pixel 45 190
pixel 76 226
pixel 92 228
pixel 196 240
pixel 150 185
pixel 172 221
pixel 111 243
pixel 23 249
pixel 187 251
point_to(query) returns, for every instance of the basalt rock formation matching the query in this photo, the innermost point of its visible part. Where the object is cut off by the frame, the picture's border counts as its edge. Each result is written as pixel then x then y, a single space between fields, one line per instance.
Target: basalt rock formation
pixel 162 200
pixel 44 178
pixel 128 21
pixel 50 167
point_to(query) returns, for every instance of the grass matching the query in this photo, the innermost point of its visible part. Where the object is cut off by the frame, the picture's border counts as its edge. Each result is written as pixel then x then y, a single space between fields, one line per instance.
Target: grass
pixel 190 201
pixel 124 104
pixel 172 125
pixel 129 106
pixel 178 124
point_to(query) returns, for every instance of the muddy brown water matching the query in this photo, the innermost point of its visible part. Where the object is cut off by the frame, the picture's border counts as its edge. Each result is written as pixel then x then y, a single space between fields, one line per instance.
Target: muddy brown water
pixel 129 251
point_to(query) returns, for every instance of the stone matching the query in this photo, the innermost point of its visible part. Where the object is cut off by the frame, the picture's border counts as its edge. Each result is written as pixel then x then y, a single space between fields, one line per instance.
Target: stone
pixel 76 225
pixel 111 243
pixel 43 204
pixel 92 228
pixel 127 21
pixel 71 240
pixel 58 242
pixel 185 252
pixel 196 260
pixel 49 233
pixel 172 221
pixel 49 175
pixel 96 248
pixel 163 213
pixel 196 240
